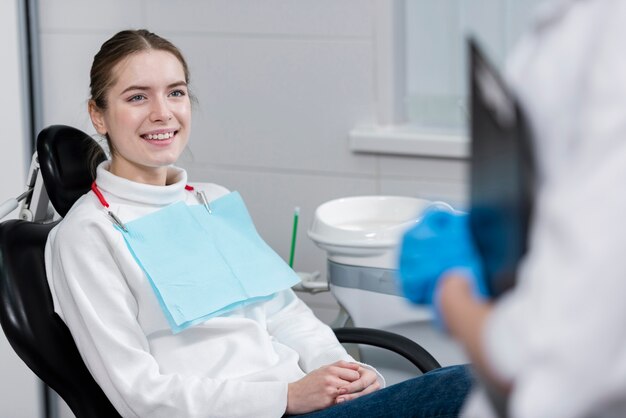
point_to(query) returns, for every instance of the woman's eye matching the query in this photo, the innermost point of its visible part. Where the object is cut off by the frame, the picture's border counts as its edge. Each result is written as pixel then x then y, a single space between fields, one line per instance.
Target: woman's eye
pixel 137 98
pixel 178 93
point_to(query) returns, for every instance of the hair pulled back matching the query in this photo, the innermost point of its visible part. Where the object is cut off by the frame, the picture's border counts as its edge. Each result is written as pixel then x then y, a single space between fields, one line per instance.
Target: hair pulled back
pixel 119 47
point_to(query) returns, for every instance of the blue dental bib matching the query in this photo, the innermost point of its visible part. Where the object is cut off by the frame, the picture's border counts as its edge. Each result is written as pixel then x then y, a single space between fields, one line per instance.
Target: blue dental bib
pixel 202 264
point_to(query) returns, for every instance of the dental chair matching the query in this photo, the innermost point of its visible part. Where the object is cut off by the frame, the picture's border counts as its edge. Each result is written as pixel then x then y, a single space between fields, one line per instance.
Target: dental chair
pixel 37 333
pixel 34 330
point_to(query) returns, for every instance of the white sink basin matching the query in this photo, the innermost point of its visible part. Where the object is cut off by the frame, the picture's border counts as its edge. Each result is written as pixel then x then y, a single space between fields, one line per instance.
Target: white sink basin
pixel 365 226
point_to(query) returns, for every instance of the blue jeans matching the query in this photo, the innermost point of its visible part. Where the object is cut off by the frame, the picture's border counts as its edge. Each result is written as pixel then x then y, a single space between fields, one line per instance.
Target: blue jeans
pixel 439 393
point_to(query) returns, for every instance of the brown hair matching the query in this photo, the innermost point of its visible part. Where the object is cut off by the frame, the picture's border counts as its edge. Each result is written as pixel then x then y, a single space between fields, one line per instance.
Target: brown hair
pixel 120 46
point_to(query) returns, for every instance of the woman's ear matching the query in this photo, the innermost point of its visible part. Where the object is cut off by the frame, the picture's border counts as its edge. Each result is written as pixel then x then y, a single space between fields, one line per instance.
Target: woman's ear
pixel 97 118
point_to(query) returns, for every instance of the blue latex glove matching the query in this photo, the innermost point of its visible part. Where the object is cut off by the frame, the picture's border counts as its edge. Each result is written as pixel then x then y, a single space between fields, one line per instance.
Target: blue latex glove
pixel 440 242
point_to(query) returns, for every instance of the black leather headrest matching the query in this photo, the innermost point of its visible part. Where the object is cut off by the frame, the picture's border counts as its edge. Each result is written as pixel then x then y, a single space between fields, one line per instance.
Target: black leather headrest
pixel 67 156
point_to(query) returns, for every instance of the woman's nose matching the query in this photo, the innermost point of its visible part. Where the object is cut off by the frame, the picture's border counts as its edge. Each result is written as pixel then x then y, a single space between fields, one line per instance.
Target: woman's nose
pixel 160 111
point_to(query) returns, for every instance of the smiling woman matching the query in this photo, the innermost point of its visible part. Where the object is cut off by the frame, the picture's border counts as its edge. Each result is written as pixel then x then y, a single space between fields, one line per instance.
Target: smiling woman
pixel 145 115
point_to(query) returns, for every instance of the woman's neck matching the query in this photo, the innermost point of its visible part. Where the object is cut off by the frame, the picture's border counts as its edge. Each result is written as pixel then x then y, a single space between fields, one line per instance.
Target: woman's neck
pixel 156 176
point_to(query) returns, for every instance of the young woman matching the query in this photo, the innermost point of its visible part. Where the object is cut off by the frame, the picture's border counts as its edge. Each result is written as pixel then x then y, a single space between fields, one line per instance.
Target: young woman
pixel 263 358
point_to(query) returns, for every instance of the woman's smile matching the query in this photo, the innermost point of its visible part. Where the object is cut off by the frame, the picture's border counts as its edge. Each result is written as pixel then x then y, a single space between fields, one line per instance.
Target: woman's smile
pixel 160 137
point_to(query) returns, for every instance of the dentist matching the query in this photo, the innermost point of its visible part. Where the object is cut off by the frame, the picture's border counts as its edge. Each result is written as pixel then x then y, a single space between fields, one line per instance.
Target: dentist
pixel 555 345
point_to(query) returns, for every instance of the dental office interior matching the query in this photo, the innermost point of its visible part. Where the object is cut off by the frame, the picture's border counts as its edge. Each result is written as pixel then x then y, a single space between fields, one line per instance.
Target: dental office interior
pixel 301 106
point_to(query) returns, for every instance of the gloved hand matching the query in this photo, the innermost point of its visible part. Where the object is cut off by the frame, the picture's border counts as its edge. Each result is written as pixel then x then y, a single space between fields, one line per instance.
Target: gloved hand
pixel 440 242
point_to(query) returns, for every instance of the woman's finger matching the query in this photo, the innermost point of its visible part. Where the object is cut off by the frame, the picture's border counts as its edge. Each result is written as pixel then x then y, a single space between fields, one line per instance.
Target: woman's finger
pixel 346 365
pixel 350 396
pixel 367 378
pixel 346 373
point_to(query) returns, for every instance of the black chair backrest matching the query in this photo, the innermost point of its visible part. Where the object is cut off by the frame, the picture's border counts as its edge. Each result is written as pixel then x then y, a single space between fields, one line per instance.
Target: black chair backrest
pixel 33 329
pixel 66 157
pixel 27 316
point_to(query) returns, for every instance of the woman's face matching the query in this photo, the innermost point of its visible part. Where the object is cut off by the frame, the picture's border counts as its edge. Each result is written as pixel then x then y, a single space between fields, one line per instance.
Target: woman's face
pixel 148 116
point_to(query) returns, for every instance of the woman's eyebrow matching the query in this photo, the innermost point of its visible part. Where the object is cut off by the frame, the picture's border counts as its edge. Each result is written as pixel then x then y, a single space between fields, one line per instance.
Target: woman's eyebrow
pixel 129 88
pixel 181 83
pixel 169 86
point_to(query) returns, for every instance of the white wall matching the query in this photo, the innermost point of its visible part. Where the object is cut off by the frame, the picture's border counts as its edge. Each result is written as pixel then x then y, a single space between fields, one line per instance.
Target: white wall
pixel 19 394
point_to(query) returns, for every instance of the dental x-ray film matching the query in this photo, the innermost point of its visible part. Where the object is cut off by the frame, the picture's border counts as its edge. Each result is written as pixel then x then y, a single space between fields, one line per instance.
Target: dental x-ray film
pixel 501 174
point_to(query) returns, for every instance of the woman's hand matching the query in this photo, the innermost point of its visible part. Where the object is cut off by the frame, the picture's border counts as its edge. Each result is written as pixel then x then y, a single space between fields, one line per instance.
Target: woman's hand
pixel 366 383
pixel 320 388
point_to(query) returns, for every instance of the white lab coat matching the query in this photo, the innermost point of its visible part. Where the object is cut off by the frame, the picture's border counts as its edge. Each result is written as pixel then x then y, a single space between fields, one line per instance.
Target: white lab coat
pixel 560 335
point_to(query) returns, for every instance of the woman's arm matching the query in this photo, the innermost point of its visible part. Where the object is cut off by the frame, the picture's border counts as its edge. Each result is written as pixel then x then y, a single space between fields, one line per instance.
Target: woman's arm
pixel 325 360
pixel 293 324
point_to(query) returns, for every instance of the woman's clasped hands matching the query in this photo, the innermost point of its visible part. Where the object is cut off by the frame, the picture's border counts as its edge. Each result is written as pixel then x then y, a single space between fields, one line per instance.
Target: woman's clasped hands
pixel 331 384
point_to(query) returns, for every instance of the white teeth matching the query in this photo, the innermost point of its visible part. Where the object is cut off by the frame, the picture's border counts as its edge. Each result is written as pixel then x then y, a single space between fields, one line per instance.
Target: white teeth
pixel 167 135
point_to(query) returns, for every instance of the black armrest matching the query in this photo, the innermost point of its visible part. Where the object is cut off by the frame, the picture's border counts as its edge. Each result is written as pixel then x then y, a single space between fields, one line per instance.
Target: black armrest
pixel 407 348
